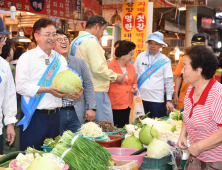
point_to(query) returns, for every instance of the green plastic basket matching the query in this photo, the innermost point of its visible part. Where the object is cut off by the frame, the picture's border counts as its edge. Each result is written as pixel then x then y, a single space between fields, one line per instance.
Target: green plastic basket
pixel 156 162
pixel 46 148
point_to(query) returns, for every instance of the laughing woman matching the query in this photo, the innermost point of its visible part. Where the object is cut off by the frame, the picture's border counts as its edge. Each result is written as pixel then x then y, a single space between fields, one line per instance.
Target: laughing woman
pixel 202 117
pixel 121 95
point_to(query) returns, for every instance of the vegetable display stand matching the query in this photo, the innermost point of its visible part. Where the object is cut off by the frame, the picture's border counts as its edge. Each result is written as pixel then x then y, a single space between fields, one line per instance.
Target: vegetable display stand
pixel 164 167
pixel 115 141
pixel 156 162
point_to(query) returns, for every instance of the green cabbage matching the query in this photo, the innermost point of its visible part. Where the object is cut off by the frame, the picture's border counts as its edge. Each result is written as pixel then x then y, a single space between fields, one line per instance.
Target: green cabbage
pixel 157 149
pixel 67 82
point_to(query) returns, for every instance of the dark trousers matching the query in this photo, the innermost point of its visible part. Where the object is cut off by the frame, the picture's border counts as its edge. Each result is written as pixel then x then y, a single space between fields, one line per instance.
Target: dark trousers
pixel 121 117
pixel 155 109
pixel 69 121
pixel 1 144
pixel 42 126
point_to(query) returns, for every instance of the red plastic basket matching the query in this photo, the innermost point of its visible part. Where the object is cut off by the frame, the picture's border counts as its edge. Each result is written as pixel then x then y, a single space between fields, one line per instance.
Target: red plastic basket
pixel 115 141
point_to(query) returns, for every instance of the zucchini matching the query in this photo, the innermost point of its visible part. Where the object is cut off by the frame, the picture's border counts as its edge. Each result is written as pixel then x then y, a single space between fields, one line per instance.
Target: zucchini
pixel 10 156
pixel 6 164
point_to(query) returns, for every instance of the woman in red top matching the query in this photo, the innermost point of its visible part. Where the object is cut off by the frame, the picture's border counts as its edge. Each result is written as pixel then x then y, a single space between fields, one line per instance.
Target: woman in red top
pixel 202 117
pixel 121 95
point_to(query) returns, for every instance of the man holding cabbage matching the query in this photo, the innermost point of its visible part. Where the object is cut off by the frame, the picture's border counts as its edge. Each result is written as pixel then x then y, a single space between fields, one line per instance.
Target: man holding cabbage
pixel 87 47
pixel 76 111
pixel 34 73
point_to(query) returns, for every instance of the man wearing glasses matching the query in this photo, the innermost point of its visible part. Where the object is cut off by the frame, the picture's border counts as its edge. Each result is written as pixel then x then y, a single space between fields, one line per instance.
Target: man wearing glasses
pixel 8 103
pixel 81 108
pixel 40 102
pixel 87 47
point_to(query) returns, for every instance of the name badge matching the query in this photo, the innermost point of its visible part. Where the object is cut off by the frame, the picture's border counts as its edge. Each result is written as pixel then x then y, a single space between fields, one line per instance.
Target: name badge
pixel 47 62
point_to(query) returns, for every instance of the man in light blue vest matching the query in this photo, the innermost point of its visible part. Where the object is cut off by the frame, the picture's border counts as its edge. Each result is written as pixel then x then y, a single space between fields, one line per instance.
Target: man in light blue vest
pixel 154 72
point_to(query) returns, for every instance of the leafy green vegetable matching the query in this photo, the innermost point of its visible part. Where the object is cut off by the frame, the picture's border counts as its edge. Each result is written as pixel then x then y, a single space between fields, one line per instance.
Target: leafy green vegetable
pixel 83 154
pixel 176 115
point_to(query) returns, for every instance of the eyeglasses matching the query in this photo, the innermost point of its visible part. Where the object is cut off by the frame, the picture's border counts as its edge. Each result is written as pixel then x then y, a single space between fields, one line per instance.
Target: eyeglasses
pixel 3 39
pixel 60 40
pixel 54 35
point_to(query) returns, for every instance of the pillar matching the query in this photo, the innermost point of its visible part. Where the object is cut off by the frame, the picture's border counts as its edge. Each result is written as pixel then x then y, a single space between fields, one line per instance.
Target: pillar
pixel 191 24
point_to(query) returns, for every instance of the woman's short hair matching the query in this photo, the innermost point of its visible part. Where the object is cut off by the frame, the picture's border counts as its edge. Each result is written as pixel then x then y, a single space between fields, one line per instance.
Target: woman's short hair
pixel 18 52
pixel 6 48
pixel 203 57
pixel 124 48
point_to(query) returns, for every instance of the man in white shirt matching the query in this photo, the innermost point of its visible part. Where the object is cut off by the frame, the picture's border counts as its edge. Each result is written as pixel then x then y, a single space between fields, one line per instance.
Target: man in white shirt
pixel 8 103
pixel 152 89
pixel 30 70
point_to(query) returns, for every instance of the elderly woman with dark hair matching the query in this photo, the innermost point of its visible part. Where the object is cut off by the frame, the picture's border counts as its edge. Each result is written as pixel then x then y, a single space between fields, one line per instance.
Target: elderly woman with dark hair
pixel 121 95
pixel 202 117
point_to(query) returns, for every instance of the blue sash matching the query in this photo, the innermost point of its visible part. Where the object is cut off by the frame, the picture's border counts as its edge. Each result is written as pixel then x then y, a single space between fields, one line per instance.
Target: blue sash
pixel 78 41
pixel 45 81
pixel 151 70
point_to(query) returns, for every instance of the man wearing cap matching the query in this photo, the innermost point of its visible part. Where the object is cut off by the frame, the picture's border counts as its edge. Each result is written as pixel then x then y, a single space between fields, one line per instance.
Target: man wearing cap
pixel 154 72
pixel 8 103
pixel 181 89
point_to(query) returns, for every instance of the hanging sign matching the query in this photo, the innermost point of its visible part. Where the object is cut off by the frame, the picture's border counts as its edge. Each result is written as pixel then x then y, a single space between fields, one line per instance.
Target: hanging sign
pixel 54 8
pixel 174 3
pixel 134 24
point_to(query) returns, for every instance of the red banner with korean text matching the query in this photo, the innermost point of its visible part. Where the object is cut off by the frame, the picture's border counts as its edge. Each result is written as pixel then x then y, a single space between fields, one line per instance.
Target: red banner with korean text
pixel 53 8
pixel 134 24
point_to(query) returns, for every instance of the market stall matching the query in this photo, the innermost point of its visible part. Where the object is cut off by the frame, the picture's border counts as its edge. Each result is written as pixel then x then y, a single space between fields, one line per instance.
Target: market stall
pixel 146 143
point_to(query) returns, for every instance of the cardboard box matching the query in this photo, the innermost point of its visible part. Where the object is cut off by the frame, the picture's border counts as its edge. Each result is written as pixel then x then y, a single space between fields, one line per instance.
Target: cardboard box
pixel 125 165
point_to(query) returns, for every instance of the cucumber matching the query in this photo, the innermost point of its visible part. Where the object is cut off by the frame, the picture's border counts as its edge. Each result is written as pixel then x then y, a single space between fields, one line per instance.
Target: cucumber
pixel 6 164
pixel 10 156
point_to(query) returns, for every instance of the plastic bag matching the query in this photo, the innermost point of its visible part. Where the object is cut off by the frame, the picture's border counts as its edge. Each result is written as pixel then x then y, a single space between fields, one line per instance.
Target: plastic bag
pixel 177 155
pixel 137 109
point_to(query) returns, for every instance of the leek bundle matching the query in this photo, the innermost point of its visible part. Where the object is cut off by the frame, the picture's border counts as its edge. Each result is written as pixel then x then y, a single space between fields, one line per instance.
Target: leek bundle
pixel 94 156
pixel 70 156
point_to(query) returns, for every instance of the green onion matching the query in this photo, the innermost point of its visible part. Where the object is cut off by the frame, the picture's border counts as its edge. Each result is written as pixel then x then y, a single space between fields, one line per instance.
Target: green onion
pixel 85 151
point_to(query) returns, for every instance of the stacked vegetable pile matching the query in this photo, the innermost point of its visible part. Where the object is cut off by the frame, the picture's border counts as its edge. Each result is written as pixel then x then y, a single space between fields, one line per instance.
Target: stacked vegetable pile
pixel 147 133
pixel 32 159
pixel 81 153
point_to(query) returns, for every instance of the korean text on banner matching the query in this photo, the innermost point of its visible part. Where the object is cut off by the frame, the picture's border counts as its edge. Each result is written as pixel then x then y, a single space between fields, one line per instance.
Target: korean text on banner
pixel 134 24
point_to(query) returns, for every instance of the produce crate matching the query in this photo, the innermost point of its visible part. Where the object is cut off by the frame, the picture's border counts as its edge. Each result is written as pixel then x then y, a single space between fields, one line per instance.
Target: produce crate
pixel 156 162
pixel 164 167
pixel 46 148
pixel 115 141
